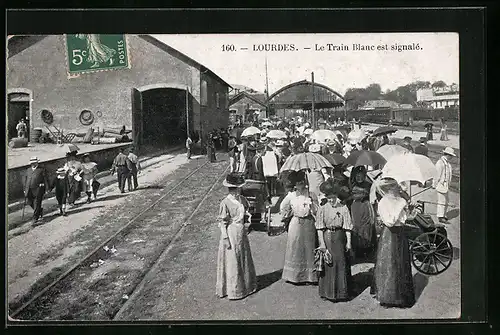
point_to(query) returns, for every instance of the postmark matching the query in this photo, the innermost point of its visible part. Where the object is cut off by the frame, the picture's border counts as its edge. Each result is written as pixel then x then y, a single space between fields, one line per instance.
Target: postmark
pixel 96 52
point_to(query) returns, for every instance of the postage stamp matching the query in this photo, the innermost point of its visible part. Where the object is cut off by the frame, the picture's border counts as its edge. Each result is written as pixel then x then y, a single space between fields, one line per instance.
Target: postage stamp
pixel 96 52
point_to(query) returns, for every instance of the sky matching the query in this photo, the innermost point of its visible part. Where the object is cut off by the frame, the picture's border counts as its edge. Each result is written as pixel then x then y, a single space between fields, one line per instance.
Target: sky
pixel 437 59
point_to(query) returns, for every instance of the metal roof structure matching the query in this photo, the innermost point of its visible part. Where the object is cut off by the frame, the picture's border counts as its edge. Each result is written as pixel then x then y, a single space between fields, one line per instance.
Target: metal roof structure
pixel 298 95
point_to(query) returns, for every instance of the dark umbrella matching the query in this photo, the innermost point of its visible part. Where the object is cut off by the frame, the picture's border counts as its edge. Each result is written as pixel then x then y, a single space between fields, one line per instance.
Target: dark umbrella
pixel 335 159
pixel 384 130
pixel 365 157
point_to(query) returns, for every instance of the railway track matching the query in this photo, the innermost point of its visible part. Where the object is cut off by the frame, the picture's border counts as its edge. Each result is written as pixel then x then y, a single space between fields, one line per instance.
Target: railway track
pixel 98 286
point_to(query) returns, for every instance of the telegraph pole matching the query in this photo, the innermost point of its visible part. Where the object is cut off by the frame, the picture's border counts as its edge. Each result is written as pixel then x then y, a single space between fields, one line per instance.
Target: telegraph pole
pixel 267 92
pixel 312 105
pixel 187 110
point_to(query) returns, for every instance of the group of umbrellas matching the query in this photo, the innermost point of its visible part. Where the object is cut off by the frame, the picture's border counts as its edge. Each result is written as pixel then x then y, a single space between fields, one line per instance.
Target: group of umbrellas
pixel 395 163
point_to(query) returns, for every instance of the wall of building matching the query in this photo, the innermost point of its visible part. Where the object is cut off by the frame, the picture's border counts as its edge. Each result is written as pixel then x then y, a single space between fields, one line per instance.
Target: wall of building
pixel 42 68
pixel 214 116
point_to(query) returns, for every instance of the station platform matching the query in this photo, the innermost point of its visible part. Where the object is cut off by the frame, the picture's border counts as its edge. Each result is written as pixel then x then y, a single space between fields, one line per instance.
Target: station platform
pixel 19 157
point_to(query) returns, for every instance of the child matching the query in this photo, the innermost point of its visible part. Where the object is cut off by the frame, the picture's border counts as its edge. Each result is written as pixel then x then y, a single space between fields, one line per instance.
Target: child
pixel 189 144
pixel 61 185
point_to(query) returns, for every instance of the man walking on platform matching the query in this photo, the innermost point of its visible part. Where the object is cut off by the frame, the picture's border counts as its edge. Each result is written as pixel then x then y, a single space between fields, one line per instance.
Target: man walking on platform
pixel 34 188
pixel 441 183
pixel 422 149
pixel 120 166
pixel 134 167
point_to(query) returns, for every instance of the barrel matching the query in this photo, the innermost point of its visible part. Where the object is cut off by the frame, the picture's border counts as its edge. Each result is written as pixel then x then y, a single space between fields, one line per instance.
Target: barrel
pixel 36 134
pixel 107 140
pixel 18 142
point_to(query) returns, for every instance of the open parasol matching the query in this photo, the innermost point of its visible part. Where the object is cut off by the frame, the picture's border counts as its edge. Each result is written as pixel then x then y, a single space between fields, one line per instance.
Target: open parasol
pixel 323 134
pixel 305 160
pixel 409 167
pixel 250 131
pixel 267 124
pixel 365 157
pixel 335 159
pixel 389 150
pixel 384 130
pixel 277 134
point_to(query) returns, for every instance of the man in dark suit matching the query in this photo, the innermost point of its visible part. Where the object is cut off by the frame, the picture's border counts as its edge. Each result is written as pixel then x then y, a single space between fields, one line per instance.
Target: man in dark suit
pixel 407 144
pixel 422 149
pixel 257 165
pixel 34 188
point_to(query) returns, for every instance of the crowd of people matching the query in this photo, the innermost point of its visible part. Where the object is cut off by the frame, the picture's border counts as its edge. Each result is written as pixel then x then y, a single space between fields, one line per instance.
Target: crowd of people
pixel 75 177
pixel 331 214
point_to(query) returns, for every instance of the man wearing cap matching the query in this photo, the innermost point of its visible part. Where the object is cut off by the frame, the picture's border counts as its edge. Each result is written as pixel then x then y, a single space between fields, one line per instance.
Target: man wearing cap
pixel 422 149
pixel 407 144
pixel 121 167
pixel 35 185
pixel 441 183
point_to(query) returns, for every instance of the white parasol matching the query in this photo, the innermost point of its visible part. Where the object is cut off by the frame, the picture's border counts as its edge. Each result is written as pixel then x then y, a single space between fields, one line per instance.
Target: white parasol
pixel 322 135
pixel 409 167
pixel 389 150
pixel 356 136
pixel 277 134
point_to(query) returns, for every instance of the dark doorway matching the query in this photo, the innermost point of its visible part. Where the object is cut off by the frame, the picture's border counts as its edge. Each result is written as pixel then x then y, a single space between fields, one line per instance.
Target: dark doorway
pixel 18 108
pixel 164 121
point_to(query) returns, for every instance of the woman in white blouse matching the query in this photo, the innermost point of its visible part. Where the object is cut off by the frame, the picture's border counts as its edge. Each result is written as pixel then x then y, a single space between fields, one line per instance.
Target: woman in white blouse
pixel 393 280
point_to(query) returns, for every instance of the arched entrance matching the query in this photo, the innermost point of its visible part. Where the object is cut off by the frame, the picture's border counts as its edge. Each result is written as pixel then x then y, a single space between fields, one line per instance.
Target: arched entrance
pixel 161 115
pixel 18 107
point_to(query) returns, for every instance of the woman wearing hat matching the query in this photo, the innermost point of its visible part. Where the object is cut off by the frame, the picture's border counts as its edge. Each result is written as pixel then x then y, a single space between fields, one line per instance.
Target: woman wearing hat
pixel 236 276
pixel 393 280
pixel 233 152
pixel 300 206
pixel 362 213
pixel 333 224
pixel 75 170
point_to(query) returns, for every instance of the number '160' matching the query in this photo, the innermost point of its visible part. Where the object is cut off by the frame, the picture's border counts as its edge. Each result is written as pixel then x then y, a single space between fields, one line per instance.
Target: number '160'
pixel 77 57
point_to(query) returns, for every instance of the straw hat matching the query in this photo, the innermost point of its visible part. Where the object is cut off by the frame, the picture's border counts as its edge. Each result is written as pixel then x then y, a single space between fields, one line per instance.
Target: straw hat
pixel 34 159
pixel 407 138
pixel 234 180
pixel 61 171
pixel 280 143
pixel 449 151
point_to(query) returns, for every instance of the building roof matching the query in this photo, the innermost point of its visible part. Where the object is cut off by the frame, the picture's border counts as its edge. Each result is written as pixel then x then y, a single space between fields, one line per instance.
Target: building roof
pixel 181 56
pixel 242 95
pixel 25 42
pixel 380 104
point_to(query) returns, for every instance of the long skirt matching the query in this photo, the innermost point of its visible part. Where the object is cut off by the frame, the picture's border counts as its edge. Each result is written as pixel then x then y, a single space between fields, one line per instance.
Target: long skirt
pixel 363 232
pixel 236 276
pixel 299 256
pixel 335 280
pixel 75 190
pixel 444 135
pixel 393 280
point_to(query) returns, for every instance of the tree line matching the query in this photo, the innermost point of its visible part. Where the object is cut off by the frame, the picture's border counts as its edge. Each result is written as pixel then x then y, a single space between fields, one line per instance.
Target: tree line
pixel 407 94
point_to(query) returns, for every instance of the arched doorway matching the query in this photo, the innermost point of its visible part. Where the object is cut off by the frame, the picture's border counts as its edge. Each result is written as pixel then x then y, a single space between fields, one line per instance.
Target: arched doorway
pixel 18 107
pixel 162 116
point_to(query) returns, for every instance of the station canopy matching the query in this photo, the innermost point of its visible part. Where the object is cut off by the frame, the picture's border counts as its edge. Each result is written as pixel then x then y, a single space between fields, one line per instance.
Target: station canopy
pixel 298 95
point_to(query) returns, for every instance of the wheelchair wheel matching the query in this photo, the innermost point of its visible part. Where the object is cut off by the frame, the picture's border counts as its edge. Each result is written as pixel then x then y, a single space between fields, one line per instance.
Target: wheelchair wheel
pixel 431 253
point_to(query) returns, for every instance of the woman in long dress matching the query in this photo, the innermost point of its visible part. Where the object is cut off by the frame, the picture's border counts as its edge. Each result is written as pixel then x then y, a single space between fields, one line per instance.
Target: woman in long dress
pixel 444 131
pixel 362 213
pixel 301 206
pixel 74 169
pixel 334 226
pixel 393 281
pixel 236 276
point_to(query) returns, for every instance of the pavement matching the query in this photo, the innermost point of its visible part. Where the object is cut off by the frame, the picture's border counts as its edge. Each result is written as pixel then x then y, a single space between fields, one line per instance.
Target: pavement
pixel 34 251
pixel 183 287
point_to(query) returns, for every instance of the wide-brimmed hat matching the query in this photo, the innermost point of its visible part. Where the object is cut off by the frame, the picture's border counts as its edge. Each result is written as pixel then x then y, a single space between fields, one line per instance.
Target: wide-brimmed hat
pixel 34 159
pixel 234 180
pixel 449 151
pixel 264 139
pixel 423 139
pixel 315 148
pixel 280 143
pixel 321 121
pixel 88 155
pixel 61 171
pixel 407 138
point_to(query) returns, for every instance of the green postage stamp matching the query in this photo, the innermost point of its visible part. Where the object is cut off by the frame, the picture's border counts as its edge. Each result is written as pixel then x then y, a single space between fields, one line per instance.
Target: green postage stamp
pixel 96 52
